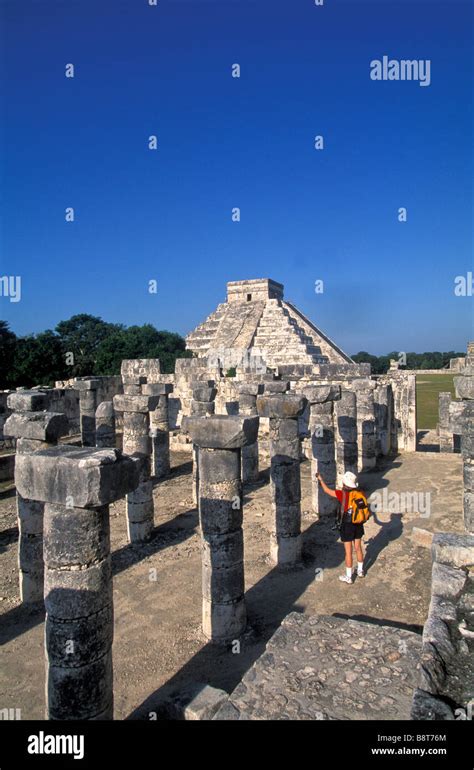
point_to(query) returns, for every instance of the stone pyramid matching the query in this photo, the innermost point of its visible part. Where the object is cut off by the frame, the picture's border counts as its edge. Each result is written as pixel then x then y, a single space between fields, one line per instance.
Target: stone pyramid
pixel 256 317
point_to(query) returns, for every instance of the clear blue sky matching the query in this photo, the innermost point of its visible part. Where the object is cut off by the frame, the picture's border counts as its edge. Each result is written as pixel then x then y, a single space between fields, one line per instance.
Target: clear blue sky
pixel 248 142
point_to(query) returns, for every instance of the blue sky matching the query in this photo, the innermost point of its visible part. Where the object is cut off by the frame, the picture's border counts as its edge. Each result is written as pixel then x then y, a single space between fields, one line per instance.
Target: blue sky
pixel 245 142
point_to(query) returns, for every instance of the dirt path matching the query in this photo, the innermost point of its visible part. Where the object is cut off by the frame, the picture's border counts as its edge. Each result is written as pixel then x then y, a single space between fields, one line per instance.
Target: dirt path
pixel 157 587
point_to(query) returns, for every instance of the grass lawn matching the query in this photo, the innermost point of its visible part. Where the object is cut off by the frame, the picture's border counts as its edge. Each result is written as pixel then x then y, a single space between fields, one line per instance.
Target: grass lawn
pixel 427 388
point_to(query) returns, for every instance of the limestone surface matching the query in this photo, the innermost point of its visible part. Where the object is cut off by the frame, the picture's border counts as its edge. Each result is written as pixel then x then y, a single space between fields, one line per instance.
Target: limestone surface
pixel 323 667
pixel 222 431
pixel 84 477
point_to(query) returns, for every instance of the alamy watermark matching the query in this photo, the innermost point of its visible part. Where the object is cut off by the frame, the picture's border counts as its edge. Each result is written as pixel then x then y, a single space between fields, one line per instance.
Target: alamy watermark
pixel 56 744
pixel 401 502
pixel 10 286
pixel 464 285
pixel 250 359
pixel 401 69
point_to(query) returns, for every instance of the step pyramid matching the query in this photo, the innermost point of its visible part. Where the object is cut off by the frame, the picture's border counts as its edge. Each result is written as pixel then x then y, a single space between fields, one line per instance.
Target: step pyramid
pixel 256 318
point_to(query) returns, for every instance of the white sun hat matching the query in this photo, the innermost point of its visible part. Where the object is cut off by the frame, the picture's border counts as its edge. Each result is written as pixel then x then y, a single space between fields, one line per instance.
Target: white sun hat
pixel 350 480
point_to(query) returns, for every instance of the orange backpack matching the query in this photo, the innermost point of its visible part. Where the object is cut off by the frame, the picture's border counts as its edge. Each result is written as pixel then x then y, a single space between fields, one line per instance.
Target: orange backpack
pixel 358 505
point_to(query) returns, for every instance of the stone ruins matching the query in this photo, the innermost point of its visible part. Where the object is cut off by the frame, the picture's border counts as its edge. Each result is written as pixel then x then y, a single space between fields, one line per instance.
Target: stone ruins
pixel 292 395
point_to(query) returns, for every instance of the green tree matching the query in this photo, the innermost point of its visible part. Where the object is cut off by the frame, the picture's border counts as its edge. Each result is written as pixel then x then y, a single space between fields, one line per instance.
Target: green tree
pixel 8 343
pixel 139 342
pixel 81 336
pixel 38 360
pixel 366 358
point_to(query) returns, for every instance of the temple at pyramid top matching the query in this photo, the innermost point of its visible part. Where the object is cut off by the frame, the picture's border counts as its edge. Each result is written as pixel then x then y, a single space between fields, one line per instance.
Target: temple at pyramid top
pixel 256 316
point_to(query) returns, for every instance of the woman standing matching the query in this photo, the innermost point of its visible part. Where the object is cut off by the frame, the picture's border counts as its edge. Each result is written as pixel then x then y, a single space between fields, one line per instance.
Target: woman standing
pixel 351 533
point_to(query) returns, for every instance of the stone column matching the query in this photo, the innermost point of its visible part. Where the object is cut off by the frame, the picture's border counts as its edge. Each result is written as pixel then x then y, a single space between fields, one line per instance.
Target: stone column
pixel 365 406
pixel 88 393
pixel 202 404
pixel 383 419
pixel 137 441
pixel 323 451
pixel 410 440
pixel 34 429
pixel 285 450
pixel 105 425
pixel 204 394
pixel 464 387
pixel 346 434
pixel 159 428
pixel 76 486
pixel 219 440
pixel 445 434
pixel 248 392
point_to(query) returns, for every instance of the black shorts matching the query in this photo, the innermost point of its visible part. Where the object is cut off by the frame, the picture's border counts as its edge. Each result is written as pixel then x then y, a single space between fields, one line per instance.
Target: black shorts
pixel 351 532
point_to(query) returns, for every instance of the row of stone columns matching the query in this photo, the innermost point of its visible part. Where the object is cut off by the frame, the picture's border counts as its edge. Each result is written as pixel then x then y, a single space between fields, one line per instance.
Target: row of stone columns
pixel 342 433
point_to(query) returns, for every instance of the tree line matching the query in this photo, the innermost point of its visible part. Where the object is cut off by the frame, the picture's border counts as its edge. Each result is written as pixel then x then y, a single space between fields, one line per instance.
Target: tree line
pixel 81 346
pixel 381 364
pixel 86 345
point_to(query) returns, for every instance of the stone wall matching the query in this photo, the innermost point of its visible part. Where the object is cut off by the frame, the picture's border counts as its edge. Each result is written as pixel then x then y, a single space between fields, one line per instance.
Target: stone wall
pixel 445 689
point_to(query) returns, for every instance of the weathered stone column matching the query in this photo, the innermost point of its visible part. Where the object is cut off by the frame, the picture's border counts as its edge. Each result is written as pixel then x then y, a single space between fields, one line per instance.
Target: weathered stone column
pixel 105 425
pixel 285 450
pixel 445 435
pixel 204 394
pixel 383 418
pixel 365 406
pixel 323 455
pixel 137 441
pixel 203 404
pixel 248 392
pixel 219 440
pixel 34 429
pixel 159 428
pixel 88 392
pixel 410 441
pixel 346 434
pixel 76 485
pixel 464 387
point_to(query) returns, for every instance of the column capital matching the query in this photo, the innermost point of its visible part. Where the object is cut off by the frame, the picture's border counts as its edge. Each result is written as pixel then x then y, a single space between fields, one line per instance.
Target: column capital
pixel 81 476
pixel 281 406
pixel 222 431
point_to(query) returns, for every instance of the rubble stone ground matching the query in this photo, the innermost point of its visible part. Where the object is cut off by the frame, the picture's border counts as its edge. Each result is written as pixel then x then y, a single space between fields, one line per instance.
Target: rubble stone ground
pixel 327 668
pixel 158 646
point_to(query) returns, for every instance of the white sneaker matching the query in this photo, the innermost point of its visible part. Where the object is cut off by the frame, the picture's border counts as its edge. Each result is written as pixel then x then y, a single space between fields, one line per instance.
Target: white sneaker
pixel 345 579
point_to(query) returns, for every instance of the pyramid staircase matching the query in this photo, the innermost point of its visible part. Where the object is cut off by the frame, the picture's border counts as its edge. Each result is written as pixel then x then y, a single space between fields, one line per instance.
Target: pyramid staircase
pixel 202 338
pixel 281 339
